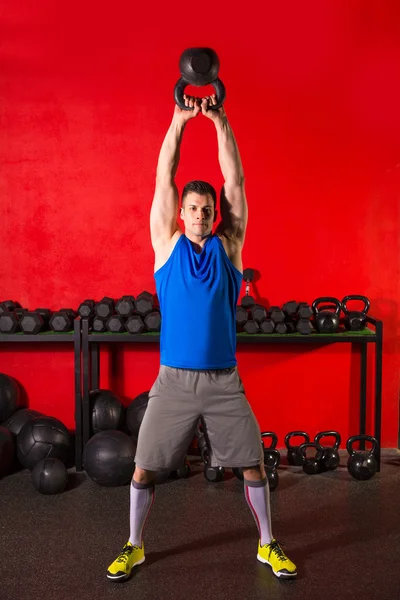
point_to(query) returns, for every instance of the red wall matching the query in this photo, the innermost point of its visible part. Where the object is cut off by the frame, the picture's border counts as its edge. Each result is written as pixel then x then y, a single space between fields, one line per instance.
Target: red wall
pixel 313 96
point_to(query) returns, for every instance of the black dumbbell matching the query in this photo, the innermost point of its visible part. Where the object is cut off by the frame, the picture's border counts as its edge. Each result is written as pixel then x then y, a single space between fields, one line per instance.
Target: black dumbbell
pixel 251 326
pixel 267 326
pixel 290 309
pixel 86 309
pixel 304 311
pixel 258 313
pixel 10 321
pixel 212 474
pixel 304 326
pixel 34 322
pixel 134 324
pixel 8 306
pixel 125 306
pixel 242 316
pixel 116 324
pixel 247 300
pixel 294 457
pixel 105 308
pixel 182 472
pixel 99 325
pixel 144 303
pixel 62 320
pixel 281 328
pixel 152 321
pixel 276 314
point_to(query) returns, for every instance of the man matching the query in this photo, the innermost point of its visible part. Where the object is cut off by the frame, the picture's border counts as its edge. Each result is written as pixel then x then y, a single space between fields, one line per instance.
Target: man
pixel 198 278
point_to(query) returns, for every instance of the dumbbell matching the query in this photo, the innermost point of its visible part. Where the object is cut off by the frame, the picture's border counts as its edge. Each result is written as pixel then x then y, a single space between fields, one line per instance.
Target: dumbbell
pixel 267 326
pixel 212 474
pixel 10 321
pixel 290 309
pixel 115 324
pixel 35 321
pixel 105 308
pixel 134 324
pixel 8 306
pixel 247 300
pixel 125 306
pixel 99 325
pixel 86 309
pixel 242 316
pixel 276 314
pixel 182 472
pixel 62 320
pixel 144 303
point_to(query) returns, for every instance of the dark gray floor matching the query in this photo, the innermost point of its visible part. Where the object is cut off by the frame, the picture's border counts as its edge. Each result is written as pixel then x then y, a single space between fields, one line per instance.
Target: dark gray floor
pixel 201 540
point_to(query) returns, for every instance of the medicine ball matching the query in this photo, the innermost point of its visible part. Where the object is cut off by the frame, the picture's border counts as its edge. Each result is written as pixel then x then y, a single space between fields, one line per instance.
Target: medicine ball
pixel 43 437
pixel 7 449
pixel 135 413
pixel 19 418
pixel 108 458
pixel 107 410
pixel 9 396
pixel 49 476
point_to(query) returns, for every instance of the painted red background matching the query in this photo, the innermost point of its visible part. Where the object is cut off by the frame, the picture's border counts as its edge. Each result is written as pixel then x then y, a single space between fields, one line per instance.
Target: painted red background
pixel 313 96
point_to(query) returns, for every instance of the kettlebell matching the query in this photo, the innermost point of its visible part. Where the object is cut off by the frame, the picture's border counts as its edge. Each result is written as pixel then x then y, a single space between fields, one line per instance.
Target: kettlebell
pixel 312 465
pixel 295 457
pixel 272 457
pixel 330 459
pixel 212 474
pixel 327 319
pixel 199 67
pixel 272 469
pixel 362 464
pixel 355 320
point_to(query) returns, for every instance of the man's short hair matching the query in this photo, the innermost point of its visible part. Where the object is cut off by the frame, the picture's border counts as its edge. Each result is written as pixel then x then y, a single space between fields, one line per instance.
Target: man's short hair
pixel 200 187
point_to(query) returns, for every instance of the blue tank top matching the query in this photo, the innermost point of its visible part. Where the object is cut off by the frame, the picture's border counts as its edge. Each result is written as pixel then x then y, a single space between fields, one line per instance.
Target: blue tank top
pixel 198 294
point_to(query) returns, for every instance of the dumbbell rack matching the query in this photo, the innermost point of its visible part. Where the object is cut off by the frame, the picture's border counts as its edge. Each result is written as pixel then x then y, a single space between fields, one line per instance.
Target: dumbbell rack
pixel 50 337
pixel 91 365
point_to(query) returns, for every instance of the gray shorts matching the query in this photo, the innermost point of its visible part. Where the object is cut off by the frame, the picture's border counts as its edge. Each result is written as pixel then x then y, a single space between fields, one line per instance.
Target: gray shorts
pixel 178 399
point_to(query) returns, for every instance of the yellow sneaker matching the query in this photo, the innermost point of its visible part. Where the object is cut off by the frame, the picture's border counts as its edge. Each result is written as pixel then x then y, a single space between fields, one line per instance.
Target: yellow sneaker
pixel 130 557
pixel 273 555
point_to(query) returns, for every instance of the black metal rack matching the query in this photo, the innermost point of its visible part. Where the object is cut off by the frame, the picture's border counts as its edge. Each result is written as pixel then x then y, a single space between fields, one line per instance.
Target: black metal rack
pixel 91 363
pixel 50 337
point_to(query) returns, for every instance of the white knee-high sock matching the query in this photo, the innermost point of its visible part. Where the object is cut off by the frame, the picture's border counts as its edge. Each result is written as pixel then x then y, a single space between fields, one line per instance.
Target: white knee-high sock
pixel 257 496
pixel 142 498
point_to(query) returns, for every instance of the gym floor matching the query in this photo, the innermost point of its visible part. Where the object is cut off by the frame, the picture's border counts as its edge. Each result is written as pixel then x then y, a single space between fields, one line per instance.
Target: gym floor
pixel 201 540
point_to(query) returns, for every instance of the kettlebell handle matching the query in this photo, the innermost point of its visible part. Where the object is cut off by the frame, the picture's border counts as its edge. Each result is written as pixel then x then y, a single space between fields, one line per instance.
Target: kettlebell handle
pixel 217 85
pixel 274 439
pixel 334 434
pixel 319 450
pixel 293 434
pixel 364 299
pixel 361 438
pixel 325 300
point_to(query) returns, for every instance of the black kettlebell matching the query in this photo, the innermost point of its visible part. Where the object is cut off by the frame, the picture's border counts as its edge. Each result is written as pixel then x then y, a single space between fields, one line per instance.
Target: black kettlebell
pixel 295 457
pixel 362 464
pixel 199 67
pixel 212 474
pixel 330 459
pixel 312 465
pixel 355 320
pixel 271 455
pixel 327 318
pixel 272 469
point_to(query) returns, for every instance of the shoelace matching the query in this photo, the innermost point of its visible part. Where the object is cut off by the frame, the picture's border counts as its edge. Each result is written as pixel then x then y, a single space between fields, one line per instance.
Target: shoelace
pixel 276 547
pixel 126 552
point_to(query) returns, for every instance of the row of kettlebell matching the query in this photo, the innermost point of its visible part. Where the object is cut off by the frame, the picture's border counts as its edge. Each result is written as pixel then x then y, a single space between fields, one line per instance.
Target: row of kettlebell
pixel 327 313
pixel 361 464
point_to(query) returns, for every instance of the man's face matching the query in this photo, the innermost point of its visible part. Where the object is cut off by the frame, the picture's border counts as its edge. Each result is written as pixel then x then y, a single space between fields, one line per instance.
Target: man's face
pixel 198 214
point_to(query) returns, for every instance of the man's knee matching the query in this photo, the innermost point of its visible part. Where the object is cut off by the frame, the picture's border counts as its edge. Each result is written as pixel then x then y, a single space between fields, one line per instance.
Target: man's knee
pixel 255 473
pixel 143 476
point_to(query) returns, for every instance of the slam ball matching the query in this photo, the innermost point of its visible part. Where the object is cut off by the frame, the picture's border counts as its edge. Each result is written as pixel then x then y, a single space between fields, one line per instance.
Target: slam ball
pixel 16 422
pixel 108 458
pixel 135 413
pixel 6 451
pixel 44 437
pixel 107 410
pixel 9 396
pixel 49 476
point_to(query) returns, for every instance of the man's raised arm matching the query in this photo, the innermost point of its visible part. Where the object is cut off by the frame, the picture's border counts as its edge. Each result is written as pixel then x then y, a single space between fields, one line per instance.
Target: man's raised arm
pixel 164 210
pixel 234 211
